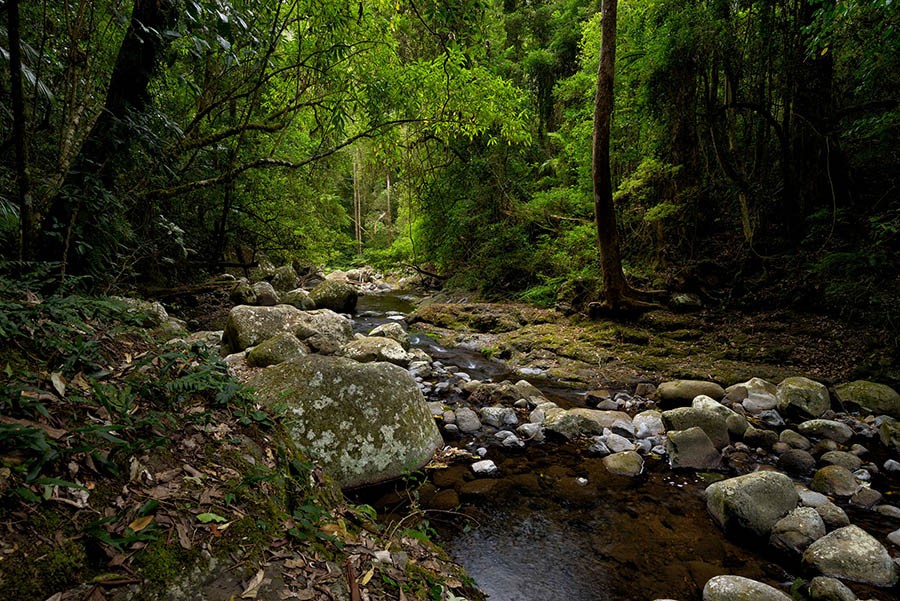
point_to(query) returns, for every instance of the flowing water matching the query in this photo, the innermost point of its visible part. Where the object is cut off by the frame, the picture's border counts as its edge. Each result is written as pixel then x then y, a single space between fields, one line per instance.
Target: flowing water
pixel 557 525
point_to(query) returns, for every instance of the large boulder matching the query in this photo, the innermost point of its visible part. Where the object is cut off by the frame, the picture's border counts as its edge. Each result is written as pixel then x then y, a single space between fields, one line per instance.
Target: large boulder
pixel 681 392
pixel 335 295
pixel 751 503
pixel 707 420
pixel 738 588
pixel 851 553
pixel 692 449
pixel 802 396
pixel 375 348
pixel 362 422
pixel 277 349
pixel 876 398
pixel 573 423
pixel 323 330
pixel 298 297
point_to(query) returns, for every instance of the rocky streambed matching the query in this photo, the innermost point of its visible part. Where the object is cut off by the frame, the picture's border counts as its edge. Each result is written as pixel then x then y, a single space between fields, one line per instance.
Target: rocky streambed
pixel 569 464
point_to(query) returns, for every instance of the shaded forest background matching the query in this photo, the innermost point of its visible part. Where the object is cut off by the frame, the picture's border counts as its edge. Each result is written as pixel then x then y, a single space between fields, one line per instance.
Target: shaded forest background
pixel 755 151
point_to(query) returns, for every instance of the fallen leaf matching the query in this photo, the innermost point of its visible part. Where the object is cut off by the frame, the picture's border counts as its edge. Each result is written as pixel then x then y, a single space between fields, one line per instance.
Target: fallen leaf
pixel 367 577
pixel 294 563
pixel 253 586
pixel 58 383
pixel 141 523
pixel 55 597
pixel 205 518
pixel 184 539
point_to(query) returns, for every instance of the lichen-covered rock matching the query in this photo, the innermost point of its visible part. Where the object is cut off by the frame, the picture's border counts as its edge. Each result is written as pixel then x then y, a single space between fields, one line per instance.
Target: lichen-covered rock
pixel 284 278
pixel 827 428
pixel 151 314
pixel 277 349
pixel 242 294
pixel 876 398
pixel 851 553
pixel 692 449
pixel 802 396
pixel 738 588
pixel 682 392
pixel 823 588
pixel 323 330
pixel 889 434
pixel 711 422
pixel 335 295
pixel 797 530
pixel 834 480
pixel 394 331
pixel 375 348
pixel 648 423
pixel 751 503
pixel 498 416
pixel 363 422
pixel 848 460
pixel 626 463
pixel 833 516
pixel 573 423
pixel 265 294
pixel 299 298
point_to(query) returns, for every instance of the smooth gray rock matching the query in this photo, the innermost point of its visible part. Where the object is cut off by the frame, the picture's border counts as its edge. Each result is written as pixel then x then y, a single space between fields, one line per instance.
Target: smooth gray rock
pixel 797 530
pixel 573 423
pixel 795 439
pixel 826 428
pixel 760 438
pixel 362 422
pixel 810 498
pixel 298 298
pixel 752 503
pixel 710 422
pixel 866 498
pixel 531 431
pixel 833 516
pixel 284 279
pixel 618 444
pixel 737 425
pixel 648 423
pixel 467 420
pixel 797 462
pixel 485 466
pixel 375 348
pixel 851 553
pixel 265 294
pixel 692 449
pixel 834 480
pixel 626 463
pixel 738 588
pixel 498 417
pixel 277 349
pixel 682 392
pixel 394 331
pixel 843 458
pixel 802 396
pixel 876 398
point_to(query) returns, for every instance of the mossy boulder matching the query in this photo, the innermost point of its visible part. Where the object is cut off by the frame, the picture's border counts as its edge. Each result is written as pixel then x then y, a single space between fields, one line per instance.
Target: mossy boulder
pixel 323 330
pixel 375 348
pixel 363 422
pixel 277 349
pixel 335 295
pixel 394 331
pixel 851 553
pixel 573 423
pixel 266 296
pixel 676 393
pixel 284 278
pixel 874 397
pixel 738 588
pixel 802 396
pixel 752 503
pixel 298 298
pixel 707 420
pixel 242 294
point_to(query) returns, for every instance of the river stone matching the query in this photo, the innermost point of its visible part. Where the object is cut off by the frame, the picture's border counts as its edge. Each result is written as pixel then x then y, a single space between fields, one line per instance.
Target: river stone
pixel 833 516
pixel 618 444
pixel 710 422
pixel 467 420
pixel 298 298
pixel 265 294
pixel 795 439
pixel 691 449
pixel 394 331
pixel 797 462
pixel 823 588
pixel 682 392
pixel 498 417
pixel 242 294
pixel 889 434
pixel 827 428
pixel 576 422
pixel 848 460
pixel 485 466
pixel 527 390
pixel 284 278
pixel 802 396
pixel 529 431
pixel 810 498
pixel 335 295
pixel 760 438
pixel 797 530
pixel 375 348
pixel 851 553
pixel 755 386
pixel 362 422
pixel 752 502
pixel 835 480
pixel 737 425
pixel 706 403
pixel 648 423
pixel 738 588
pixel 876 398
pixel 866 498
pixel 323 330
pixel 626 463
pixel 277 349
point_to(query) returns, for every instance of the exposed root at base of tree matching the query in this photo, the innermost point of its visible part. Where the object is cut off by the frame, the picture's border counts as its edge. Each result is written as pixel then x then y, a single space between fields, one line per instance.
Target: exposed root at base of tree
pixel 629 302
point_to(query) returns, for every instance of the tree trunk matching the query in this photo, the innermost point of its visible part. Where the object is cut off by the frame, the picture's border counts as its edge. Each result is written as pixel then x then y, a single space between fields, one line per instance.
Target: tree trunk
pixel 614 285
pixel 23 188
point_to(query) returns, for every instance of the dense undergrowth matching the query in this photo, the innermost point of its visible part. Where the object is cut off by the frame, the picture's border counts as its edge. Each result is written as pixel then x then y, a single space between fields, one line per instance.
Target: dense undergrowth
pixel 128 463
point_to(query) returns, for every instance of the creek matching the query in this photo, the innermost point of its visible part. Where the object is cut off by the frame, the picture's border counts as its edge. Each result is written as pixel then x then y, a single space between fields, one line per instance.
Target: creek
pixel 555 524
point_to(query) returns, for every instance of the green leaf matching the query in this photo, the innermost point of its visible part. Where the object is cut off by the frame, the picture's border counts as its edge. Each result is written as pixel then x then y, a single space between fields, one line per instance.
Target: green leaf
pixel 205 518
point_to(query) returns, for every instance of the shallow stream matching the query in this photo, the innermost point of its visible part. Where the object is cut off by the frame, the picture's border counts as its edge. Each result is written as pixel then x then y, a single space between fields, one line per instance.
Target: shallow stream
pixel 556 525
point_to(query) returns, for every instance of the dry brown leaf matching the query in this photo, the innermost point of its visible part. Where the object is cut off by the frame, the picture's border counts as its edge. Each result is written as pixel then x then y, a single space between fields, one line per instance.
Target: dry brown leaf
pixel 253 585
pixel 294 563
pixel 184 539
pixel 141 523
pixel 59 383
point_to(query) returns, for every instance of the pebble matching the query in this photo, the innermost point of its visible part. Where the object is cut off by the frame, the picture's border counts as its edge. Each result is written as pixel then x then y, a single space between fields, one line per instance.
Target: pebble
pixel 598 447
pixel 484 467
